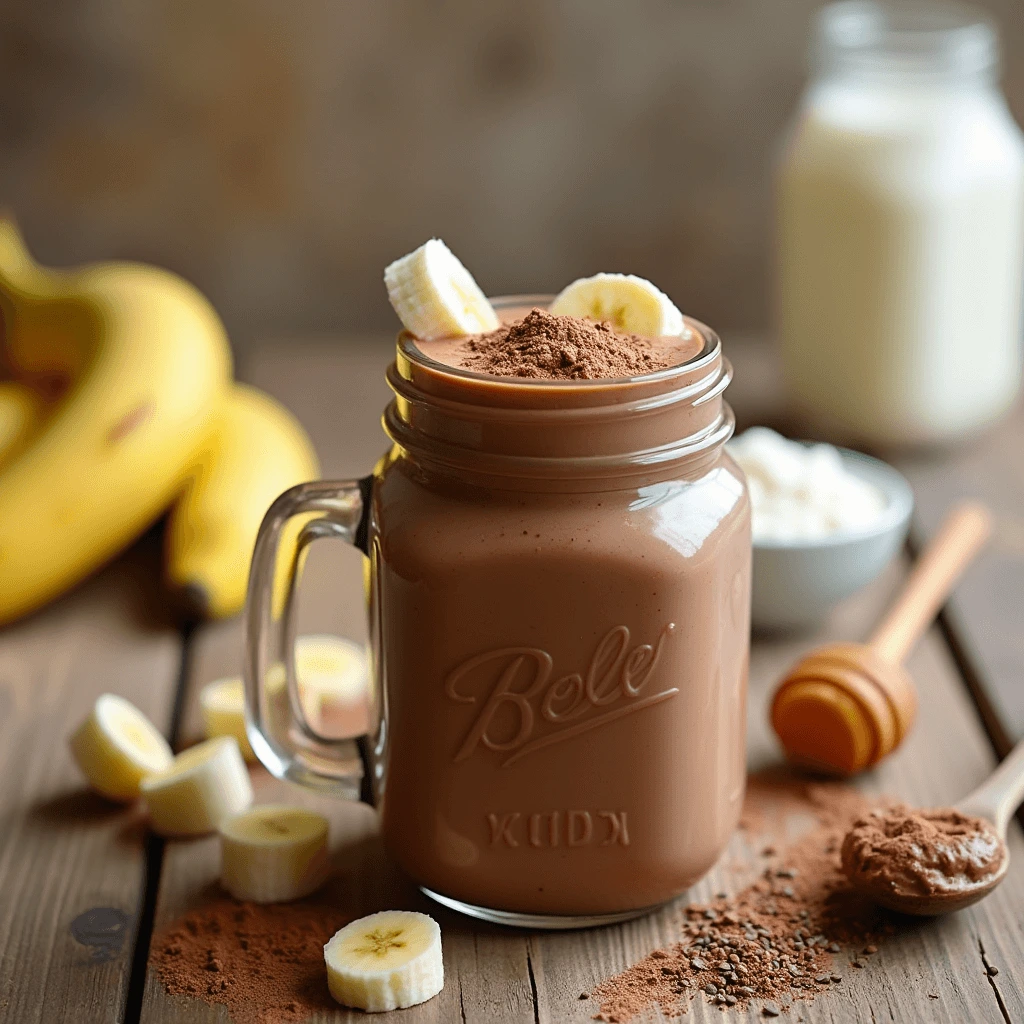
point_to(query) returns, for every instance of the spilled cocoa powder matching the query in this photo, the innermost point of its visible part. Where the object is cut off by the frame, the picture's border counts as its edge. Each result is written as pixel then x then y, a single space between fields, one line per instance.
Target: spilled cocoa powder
pixel 780 939
pixel 553 347
pixel 795 932
pixel 264 963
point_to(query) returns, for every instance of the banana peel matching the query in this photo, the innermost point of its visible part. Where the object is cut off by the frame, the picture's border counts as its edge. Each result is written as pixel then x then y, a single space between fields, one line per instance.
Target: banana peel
pixel 255 451
pixel 21 412
pixel 149 418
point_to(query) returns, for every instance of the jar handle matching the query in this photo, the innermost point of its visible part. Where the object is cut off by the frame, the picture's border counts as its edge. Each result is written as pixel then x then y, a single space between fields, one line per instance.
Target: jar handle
pixel 276 723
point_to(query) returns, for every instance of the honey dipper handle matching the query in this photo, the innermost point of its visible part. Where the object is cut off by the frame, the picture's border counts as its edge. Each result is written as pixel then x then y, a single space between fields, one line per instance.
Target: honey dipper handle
pixel 951 550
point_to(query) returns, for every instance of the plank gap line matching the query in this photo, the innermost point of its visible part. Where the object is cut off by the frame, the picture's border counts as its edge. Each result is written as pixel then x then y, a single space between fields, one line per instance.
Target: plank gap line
pixel 155 848
pixel 992 982
pixel 533 982
pixel 1001 742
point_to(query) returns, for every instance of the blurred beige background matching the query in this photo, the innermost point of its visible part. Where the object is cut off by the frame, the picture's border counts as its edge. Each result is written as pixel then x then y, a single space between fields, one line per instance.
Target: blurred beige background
pixel 280 153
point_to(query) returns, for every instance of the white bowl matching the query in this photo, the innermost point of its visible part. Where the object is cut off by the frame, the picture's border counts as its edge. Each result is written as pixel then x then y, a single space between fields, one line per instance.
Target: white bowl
pixel 797 583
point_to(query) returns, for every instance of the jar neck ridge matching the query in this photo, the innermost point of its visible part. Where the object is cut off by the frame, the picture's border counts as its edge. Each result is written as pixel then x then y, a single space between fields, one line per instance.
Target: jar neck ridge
pixel 573 435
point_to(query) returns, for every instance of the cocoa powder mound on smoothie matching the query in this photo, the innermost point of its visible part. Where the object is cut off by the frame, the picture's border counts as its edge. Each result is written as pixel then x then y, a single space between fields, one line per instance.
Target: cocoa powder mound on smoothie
pixel 264 963
pixel 561 348
pixel 781 938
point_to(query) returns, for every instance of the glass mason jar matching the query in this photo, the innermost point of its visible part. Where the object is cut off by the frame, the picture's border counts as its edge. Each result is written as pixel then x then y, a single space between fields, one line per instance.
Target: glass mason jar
pixel 558 579
pixel 900 227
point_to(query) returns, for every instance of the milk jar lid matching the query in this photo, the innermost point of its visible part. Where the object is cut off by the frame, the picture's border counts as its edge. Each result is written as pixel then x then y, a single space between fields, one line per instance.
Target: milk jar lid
pixel 931 39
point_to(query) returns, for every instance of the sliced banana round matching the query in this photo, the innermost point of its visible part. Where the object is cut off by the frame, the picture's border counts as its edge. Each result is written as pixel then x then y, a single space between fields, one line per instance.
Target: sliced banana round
pixel 204 785
pixel 435 296
pixel 117 746
pixel 386 961
pixel 222 703
pixel 630 304
pixel 273 853
pixel 331 669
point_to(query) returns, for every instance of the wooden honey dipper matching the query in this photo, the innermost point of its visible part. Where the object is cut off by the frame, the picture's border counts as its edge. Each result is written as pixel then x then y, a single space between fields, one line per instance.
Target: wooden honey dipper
pixel 844 707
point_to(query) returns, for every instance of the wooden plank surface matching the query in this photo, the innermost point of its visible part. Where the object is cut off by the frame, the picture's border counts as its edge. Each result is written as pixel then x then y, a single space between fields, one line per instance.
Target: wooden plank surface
pixel 986 615
pixel 73 865
pixel 504 975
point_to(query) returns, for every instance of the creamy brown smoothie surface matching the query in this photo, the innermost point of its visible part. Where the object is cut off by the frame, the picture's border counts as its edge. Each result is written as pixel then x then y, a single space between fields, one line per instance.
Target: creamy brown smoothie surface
pixel 537 344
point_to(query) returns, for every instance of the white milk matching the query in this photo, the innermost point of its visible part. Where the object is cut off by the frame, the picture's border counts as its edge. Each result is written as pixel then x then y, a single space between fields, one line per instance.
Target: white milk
pixel 900 218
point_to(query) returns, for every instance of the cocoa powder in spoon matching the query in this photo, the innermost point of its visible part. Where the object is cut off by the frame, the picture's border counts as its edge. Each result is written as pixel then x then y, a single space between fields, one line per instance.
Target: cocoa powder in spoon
pixel 922 853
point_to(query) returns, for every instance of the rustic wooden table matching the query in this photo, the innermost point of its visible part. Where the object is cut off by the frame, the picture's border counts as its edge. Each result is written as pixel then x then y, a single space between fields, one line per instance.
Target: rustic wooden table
pixel 82 884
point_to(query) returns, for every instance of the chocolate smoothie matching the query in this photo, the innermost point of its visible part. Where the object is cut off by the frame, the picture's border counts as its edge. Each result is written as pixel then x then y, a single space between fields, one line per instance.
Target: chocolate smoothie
pixel 560 616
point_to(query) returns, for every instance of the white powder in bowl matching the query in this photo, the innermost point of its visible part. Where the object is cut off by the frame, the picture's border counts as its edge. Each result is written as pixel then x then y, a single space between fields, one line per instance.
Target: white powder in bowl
pixel 802 492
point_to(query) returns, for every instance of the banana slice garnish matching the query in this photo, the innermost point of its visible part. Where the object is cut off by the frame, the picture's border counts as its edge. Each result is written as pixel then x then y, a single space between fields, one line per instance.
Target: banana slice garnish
pixel 204 785
pixel 385 961
pixel 630 304
pixel 273 853
pixel 435 296
pixel 117 746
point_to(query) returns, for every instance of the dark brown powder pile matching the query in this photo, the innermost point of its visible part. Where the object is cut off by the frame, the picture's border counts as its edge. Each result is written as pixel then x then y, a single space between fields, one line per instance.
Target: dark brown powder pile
pixel 779 939
pixel 264 963
pixel 561 348
pixel 922 853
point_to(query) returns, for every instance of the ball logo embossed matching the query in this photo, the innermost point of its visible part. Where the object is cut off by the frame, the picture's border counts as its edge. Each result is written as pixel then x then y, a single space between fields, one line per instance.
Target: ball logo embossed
pixel 521 685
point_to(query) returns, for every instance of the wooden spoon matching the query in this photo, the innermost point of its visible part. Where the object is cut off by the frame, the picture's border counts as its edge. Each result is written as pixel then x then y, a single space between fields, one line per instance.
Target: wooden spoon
pixel 994 801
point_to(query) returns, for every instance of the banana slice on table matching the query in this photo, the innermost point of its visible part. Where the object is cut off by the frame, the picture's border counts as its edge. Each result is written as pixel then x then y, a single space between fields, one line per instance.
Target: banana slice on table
pixel 386 961
pixel 117 746
pixel 204 785
pixel 435 296
pixel 273 853
pixel 222 703
pixel 629 303
pixel 331 669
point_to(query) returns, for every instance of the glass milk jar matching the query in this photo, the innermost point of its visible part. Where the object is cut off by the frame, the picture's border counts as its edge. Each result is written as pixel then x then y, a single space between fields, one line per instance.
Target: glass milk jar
pixel 900 228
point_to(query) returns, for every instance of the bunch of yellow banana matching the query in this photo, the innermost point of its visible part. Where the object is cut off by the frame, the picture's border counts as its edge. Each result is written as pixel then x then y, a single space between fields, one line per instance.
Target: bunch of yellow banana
pixel 147 418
